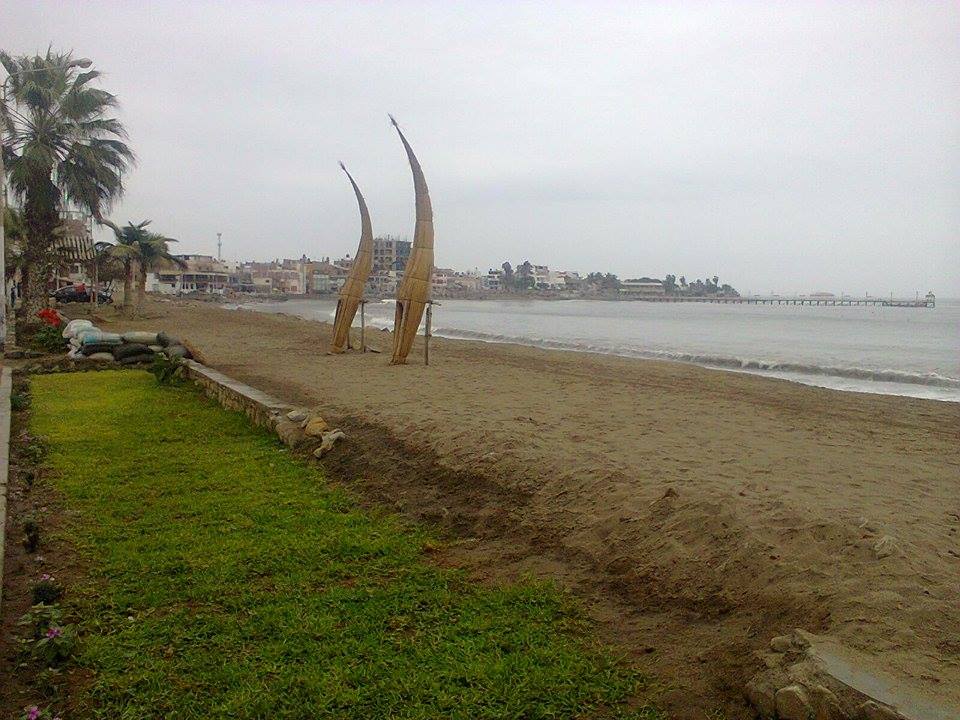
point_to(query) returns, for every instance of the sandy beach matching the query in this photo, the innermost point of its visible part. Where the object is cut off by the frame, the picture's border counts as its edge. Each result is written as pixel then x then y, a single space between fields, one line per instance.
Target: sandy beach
pixel 698 512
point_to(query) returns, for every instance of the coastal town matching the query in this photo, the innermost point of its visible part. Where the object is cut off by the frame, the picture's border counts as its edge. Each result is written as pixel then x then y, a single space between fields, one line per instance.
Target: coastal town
pixel 201 274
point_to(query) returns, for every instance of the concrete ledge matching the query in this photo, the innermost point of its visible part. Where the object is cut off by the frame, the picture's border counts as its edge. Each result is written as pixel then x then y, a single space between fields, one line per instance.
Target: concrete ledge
pixel 263 410
pixel 6 385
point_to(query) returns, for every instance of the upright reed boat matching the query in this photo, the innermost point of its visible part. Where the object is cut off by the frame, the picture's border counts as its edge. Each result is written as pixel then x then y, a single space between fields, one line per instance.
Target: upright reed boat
pixel 414 291
pixel 352 291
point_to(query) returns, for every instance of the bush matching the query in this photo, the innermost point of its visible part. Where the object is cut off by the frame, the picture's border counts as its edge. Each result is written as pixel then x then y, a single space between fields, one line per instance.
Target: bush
pixel 48 640
pixel 46 590
pixel 31 534
pixel 46 338
pixel 167 370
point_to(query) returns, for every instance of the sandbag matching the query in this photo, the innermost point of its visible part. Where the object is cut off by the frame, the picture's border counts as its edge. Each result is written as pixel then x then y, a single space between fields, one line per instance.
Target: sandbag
pixel 155 348
pixel 178 351
pixel 141 337
pixel 137 359
pixel 91 332
pixel 101 357
pixel 75 326
pixel 99 336
pixel 128 349
pixel 93 348
pixel 166 340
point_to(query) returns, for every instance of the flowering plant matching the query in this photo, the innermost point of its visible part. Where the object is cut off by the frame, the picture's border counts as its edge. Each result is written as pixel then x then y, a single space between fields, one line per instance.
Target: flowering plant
pixel 46 590
pixel 49 640
pixel 33 712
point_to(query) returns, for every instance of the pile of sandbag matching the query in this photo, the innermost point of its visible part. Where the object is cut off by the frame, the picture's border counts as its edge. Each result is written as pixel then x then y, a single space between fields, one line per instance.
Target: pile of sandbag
pixel 88 342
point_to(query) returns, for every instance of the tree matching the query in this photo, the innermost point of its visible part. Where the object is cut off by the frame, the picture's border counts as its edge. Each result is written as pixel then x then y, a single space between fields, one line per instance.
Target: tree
pixel 140 251
pixel 670 284
pixel 60 146
pixel 507 276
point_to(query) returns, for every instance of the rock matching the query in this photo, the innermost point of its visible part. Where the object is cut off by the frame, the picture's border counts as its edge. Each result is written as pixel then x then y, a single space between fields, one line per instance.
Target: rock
pixel 782 644
pixel 793 704
pixel 827 705
pixel 762 695
pixel 329 440
pixel 885 547
pixel 298 415
pixel 176 351
pixel 872 710
pixel 315 427
pixel 140 337
pixel 289 433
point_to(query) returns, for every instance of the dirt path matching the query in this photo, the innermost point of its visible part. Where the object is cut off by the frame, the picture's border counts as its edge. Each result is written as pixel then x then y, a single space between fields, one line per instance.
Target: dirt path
pixel 702 512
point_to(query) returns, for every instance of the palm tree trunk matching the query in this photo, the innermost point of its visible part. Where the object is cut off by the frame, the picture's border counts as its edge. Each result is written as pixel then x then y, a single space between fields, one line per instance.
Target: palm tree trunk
pixel 40 215
pixel 127 286
pixel 141 285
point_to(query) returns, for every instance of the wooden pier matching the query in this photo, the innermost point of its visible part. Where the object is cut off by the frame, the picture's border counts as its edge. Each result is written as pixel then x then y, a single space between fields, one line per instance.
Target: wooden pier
pixel 843 301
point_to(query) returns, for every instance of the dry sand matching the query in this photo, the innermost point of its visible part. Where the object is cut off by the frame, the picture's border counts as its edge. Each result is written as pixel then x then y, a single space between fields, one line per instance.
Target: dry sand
pixel 699 512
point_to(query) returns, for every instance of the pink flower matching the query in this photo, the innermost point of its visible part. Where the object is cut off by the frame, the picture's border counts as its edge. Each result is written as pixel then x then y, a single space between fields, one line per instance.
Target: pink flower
pixel 33 712
pixel 54 631
pixel 46 577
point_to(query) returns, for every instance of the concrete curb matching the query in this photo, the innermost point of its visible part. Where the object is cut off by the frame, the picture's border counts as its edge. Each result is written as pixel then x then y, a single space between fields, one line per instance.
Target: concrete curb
pixel 6 385
pixel 263 410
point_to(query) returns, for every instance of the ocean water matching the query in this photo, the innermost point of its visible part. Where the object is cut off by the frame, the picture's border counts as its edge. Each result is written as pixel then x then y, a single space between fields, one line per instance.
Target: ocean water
pixel 896 351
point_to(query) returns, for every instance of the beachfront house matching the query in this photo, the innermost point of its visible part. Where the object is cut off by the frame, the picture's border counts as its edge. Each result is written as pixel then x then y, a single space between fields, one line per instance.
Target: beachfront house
pixel 642 288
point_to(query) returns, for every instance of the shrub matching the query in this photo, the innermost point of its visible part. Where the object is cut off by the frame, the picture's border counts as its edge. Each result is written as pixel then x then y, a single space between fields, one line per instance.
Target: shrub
pixel 49 683
pixel 46 338
pixel 31 534
pixel 39 618
pixel 48 640
pixel 46 590
pixel 167 370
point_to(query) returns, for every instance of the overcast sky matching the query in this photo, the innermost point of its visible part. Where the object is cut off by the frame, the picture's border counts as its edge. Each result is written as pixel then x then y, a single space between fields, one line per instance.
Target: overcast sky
pixel 782 146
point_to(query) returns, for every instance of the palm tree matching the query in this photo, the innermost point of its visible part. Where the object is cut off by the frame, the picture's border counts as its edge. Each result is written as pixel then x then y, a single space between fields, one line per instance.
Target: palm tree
pixel 60 147
pixel 140 251
pixel 154 255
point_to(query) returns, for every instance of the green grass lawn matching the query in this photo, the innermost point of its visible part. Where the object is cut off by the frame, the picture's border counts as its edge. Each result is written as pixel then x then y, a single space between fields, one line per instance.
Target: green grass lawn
pixel 226 579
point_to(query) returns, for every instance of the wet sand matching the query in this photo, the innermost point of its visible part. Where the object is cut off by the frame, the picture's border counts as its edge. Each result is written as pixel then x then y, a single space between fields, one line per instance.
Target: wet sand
pixel 699 512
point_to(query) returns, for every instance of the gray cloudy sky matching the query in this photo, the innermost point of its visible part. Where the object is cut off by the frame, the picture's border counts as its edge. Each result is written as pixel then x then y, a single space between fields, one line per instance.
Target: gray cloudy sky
pixel 788 146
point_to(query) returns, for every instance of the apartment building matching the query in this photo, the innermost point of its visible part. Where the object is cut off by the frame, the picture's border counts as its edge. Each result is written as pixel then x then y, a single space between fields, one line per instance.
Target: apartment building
pixel 390 253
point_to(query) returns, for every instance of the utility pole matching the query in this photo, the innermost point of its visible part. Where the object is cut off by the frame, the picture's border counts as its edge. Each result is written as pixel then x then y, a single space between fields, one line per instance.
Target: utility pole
pixel 219 246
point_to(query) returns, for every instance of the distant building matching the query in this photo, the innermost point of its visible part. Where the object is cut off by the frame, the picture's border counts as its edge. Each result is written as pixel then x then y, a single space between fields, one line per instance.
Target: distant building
pixel 642 287
pixel 73 244
pixel 493 280
pixel 203 273
pixel 390 253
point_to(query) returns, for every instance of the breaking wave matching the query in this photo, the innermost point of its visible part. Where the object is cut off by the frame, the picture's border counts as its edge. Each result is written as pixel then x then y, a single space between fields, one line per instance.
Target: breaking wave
pixel 715 361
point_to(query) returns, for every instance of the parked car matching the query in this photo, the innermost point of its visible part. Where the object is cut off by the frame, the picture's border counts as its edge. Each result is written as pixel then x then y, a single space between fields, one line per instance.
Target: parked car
pixel 81 294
